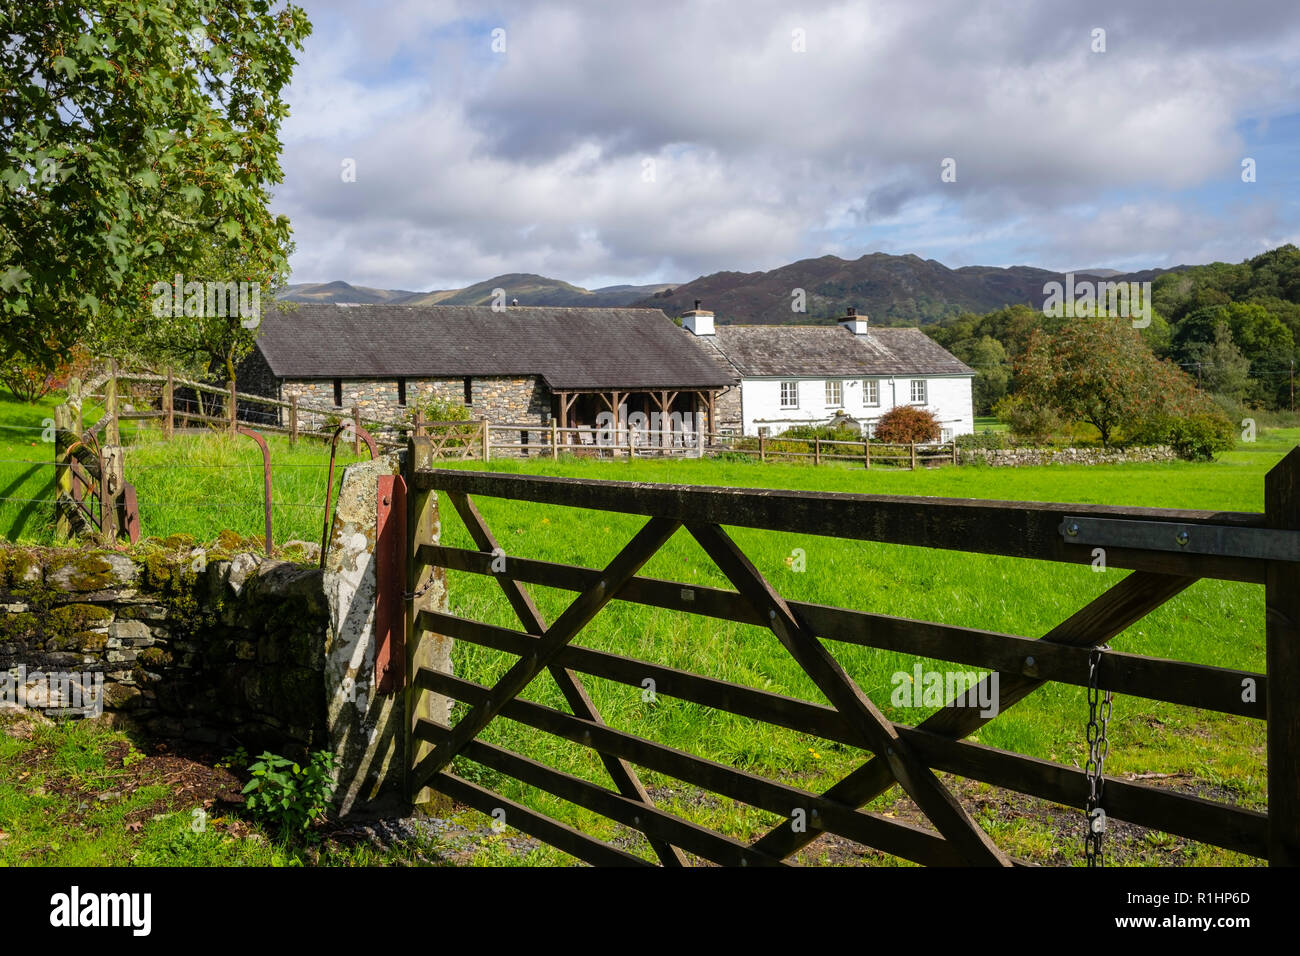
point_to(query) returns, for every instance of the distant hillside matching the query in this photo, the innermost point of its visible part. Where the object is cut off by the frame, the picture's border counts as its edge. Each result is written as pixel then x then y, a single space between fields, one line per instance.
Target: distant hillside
pixel 527 288
pixel 892 290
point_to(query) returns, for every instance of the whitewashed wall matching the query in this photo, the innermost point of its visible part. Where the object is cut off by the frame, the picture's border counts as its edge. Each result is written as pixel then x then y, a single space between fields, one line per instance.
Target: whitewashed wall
pixel 948 397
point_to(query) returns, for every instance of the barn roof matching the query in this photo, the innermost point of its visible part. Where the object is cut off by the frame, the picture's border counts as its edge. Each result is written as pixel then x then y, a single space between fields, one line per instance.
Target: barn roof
pixel 830 350
pixel 570 348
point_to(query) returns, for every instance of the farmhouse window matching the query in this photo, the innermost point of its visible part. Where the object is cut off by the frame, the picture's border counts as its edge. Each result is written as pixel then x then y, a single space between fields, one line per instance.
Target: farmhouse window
pixel 401 391
pixel 469 391
pixel 918 391
pixel 338 393
pixel 789 394
pixel 870 393
pixel 834 394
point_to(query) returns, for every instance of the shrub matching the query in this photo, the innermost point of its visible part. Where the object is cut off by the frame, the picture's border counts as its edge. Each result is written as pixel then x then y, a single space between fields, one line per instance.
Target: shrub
pixel 1197 437
pixel 987 439
pixel 287 796
pixel 906 424
pixel 1029 421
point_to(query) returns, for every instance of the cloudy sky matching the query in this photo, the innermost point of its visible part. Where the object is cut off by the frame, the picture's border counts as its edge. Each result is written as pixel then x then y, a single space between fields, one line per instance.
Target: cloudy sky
pixel 607 142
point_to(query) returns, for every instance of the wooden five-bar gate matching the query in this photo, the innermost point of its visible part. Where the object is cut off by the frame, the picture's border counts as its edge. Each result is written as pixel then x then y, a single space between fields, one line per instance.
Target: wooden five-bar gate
pixel 1166 550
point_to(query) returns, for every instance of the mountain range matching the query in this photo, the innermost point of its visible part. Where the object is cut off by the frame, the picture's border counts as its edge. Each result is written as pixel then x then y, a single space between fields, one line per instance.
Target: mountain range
pixel 892 290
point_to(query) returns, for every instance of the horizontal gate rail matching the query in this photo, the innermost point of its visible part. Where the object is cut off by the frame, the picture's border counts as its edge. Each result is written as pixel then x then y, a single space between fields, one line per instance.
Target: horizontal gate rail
pixel 1014 529
pixel 1233 546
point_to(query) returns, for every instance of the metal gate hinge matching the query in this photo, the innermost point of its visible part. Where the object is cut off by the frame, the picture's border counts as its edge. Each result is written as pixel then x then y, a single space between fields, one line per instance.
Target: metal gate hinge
pixel 1268 544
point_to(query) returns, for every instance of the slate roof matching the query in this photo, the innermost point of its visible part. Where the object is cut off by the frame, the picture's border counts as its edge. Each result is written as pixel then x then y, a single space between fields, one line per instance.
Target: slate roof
pixel 570 348
pixel 829 351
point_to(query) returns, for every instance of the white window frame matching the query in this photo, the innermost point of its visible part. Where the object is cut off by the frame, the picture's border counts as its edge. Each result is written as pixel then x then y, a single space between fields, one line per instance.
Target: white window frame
pixel 920 384
pixel 794 387
pixel 837 386
pixel 870 393
pixel 945 435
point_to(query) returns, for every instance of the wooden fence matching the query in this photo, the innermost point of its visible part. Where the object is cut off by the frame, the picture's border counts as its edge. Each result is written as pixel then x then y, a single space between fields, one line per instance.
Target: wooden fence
pixel 1167 550
pixel 177 404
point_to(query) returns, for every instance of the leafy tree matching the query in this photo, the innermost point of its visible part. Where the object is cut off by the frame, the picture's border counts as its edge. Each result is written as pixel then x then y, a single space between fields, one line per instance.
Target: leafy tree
pixel 992 372
pixel 1101 373
pixel 134 133
pixel 1224 370
pixel 1261 337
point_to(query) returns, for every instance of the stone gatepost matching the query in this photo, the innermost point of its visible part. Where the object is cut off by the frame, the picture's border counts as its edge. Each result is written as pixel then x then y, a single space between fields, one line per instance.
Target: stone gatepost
pixel 367 730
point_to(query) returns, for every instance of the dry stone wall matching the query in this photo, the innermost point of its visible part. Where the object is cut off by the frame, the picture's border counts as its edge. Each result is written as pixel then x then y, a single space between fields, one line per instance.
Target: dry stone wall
pixel 1011 457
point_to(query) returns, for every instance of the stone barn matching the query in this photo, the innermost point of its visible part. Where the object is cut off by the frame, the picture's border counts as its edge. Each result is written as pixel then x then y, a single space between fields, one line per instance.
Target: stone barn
pixel 584 368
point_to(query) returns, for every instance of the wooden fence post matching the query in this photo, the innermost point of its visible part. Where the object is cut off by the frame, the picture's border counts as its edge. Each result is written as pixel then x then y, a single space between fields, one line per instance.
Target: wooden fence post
pixel 486 430
pixel 699 442
pixel 356 430
pixel 234 410
pixel 954 451
pixel 110 491
pixel 293 419
pixel 817 451
pixel 112 434
pixel 866 454
pixel 169 404
pixel 421 529
pixel 555 440
pixel 762 447
pixel 64 435
pixel 914 456
pixel 418 421
pixel 1282 667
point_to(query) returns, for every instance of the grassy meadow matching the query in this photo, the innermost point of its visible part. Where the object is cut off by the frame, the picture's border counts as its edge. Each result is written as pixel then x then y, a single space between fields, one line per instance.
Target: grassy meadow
pixel 200 485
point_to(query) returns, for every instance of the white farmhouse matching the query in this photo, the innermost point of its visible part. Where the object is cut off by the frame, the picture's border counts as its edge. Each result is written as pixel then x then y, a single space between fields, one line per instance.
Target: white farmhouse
pixel 813 374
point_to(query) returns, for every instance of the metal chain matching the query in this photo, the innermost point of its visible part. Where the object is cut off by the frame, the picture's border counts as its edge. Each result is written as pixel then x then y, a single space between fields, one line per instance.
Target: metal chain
pixel 1099 705
pixel 416 595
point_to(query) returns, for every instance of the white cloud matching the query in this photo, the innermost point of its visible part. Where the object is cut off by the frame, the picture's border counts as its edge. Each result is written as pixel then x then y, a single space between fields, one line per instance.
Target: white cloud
pixel 471 163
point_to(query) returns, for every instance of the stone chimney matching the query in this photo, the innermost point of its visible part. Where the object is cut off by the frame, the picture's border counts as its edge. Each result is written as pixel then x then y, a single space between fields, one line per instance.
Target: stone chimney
pixel 697 321
pixel 857 324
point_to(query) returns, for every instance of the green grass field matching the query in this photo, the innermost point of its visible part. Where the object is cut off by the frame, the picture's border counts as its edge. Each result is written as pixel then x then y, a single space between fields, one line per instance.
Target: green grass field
pixel 1220 623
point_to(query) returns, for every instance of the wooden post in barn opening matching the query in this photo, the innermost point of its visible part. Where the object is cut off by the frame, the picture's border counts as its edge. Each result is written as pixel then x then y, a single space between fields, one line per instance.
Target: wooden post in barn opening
pixel 293 419
pixel 914 456
pixel 233 410
pixel 1282 667
pixel 112 434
